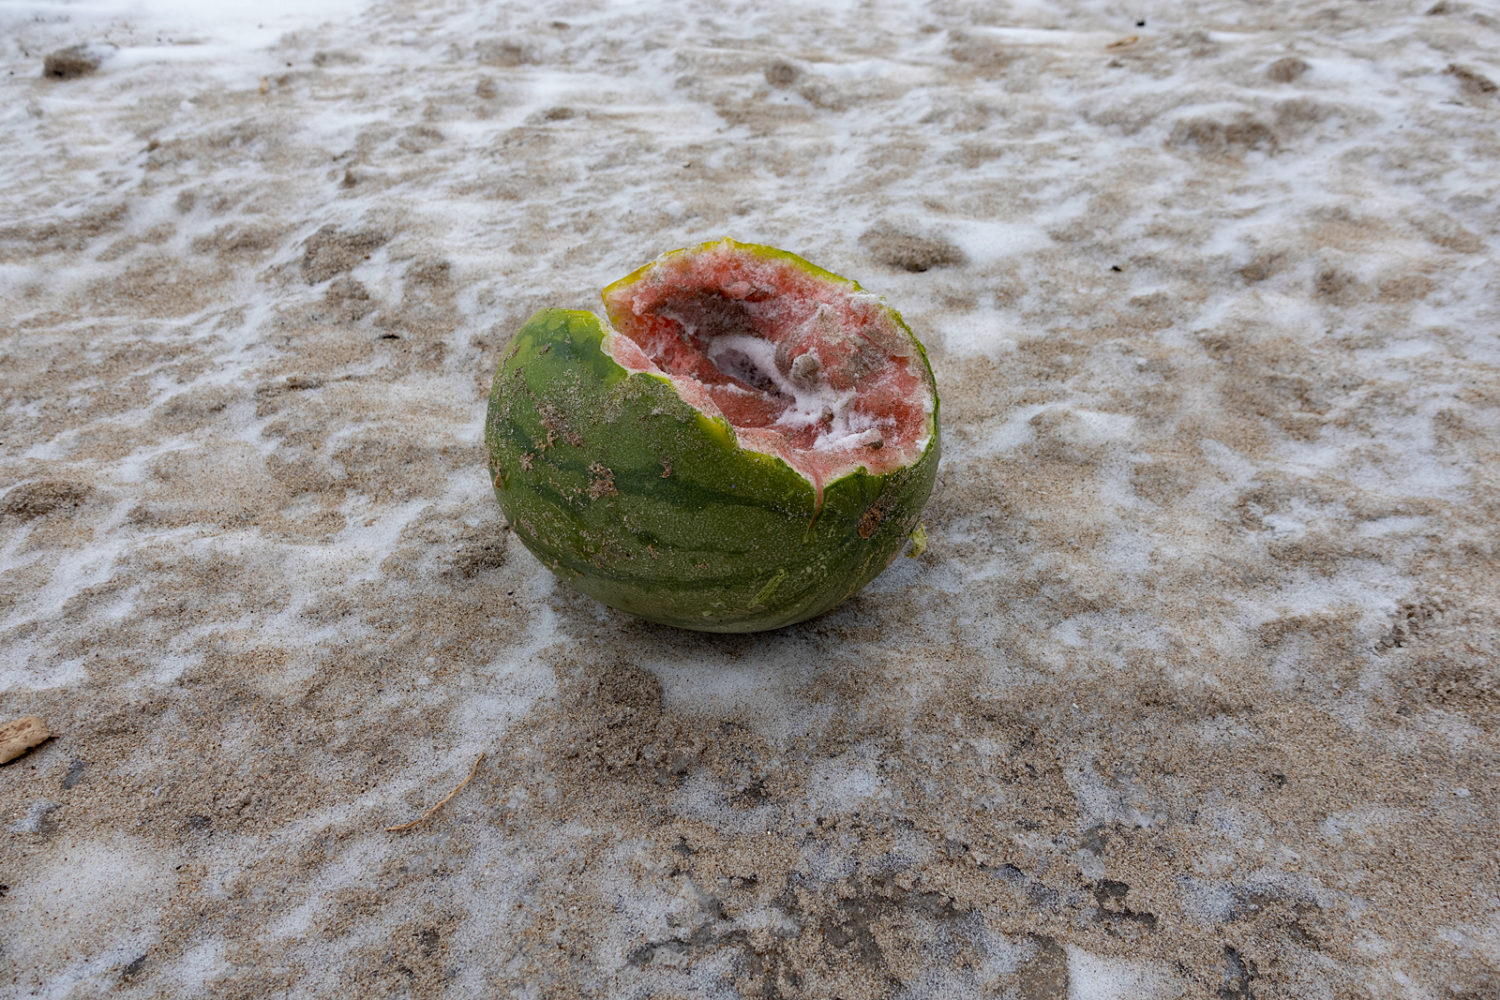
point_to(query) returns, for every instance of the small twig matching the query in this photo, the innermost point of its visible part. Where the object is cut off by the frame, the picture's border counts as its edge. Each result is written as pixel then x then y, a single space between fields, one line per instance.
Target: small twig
pixel 407 826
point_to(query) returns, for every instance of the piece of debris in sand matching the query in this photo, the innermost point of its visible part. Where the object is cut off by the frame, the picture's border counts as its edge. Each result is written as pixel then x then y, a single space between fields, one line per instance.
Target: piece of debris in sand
pixel 407 826
pixel 21 735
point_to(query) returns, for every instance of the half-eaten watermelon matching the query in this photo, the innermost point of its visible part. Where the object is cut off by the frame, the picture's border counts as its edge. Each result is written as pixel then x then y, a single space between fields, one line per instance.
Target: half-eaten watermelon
pixel 746 442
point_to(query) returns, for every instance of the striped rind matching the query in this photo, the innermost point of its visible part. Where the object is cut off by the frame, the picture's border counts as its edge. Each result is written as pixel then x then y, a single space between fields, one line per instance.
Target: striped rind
pixel 640 501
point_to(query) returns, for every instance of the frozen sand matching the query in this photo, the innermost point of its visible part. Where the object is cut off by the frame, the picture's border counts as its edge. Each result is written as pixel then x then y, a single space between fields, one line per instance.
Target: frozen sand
pixel 1194 692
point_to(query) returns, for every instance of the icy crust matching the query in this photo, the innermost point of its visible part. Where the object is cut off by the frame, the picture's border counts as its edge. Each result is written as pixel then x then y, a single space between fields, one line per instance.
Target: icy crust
pixel 801 363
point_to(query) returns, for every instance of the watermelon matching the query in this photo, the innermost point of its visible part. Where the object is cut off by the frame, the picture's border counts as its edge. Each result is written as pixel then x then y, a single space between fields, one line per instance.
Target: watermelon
pixel 744 443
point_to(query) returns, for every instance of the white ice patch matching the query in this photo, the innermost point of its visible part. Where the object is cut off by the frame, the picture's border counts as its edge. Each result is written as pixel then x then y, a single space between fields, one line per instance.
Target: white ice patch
pixel 987 241
pixel 1099 977
pixel 90 909
pixel 235 24
pixel 843 783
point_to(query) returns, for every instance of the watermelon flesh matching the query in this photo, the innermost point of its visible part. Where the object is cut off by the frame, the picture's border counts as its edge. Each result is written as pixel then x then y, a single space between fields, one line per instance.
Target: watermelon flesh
pixel 804 368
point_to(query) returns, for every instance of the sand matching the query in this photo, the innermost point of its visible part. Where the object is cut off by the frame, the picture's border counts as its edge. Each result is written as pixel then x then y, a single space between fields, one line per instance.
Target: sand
pixel 1193 693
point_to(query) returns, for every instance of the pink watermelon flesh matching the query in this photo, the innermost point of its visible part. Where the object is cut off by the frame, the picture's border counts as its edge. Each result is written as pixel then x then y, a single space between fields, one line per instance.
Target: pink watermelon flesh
pixel 803 367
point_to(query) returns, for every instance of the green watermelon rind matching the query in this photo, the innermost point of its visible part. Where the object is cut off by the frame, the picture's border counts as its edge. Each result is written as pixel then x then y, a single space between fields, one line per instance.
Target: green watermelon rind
pixel 643 502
